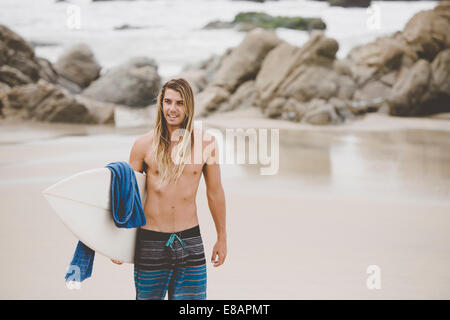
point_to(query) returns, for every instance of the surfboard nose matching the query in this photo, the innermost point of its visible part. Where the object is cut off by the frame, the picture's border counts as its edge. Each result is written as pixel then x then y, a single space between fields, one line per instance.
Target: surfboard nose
pixel 91 187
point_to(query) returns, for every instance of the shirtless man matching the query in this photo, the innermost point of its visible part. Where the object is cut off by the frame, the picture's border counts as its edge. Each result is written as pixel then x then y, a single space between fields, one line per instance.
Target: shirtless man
pixel 169 249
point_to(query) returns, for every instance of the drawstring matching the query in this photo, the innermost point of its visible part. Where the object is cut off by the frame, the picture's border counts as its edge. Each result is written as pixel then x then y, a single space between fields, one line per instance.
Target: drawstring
pixel 172 238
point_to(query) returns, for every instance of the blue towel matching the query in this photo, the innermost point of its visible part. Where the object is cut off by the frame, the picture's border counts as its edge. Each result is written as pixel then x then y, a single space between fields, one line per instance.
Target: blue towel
pixel 127 212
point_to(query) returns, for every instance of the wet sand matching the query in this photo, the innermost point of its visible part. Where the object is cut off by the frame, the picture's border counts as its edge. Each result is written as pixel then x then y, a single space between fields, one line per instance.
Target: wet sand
pixel 372 192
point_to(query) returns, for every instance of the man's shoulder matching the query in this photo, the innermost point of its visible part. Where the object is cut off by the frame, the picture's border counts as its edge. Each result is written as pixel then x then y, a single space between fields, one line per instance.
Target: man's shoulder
pixel 143 142
pixel 145 138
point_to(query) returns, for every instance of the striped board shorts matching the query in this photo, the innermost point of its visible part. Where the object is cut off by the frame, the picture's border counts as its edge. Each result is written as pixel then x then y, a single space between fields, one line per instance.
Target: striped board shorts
pixel 170 262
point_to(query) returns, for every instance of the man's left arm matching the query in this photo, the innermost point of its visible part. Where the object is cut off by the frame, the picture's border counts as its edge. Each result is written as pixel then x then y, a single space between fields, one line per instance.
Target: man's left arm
pixel 216 203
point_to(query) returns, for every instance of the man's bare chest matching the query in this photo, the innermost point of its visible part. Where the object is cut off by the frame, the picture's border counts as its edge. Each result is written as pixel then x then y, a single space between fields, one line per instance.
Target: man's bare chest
pixel 191 168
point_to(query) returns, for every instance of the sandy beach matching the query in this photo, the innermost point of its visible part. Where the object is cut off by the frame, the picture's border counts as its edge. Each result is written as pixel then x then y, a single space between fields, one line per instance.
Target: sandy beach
pixel 375 191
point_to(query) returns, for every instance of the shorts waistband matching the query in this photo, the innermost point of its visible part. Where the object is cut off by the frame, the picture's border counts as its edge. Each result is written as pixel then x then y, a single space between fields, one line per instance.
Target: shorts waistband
pixel 146 234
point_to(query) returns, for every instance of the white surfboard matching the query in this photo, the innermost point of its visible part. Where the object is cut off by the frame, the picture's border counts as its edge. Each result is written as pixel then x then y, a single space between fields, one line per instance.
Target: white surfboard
pixel 83 202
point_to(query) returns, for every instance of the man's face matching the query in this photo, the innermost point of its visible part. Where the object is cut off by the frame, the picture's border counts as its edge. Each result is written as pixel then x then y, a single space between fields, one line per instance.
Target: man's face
pixel 173 107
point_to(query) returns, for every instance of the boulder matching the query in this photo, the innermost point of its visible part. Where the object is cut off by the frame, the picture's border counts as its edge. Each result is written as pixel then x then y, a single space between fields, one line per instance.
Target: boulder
pixel 319 112
pixel 210 100
pixel 78 65
pixel 22 66
pixel 423 89
pixel 308 82
pixel 293 110
pixel 372 90
pixel 373 60
pixel 243 97
pixel 443 9
pixel 102 112
pixel 12 76
pixel 47 71
pixel 286 66
pixel 4 89
pixel 245 60
pixel 440 70
pixel 342 109
pixel 346 87
pixel 44 101
pixel 135 83
pixel 18 54
pixel 427 32
pixel 275 107
pixel 409 90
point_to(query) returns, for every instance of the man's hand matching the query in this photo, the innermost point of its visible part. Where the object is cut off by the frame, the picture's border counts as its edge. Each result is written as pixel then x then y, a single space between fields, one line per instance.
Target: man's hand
pixel 117 261
pixel 219 253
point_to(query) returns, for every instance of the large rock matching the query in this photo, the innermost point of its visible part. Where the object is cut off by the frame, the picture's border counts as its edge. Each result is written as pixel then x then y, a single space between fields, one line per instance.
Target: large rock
pixel 427 32
pixel 440 69
pixel 423 89
pixel 308 82
pixel 44 101
pixel 101 112
pixel 20 64
pixel 346 87
pixel 275 107
pixel 373 60
pixel 245 60
pixel 135 83
pixel 4 89
pixel 79 65
pixel 197 78
pixel 372 90
pixel 47 71
pixel 17 53
pixel 293 110
pixel 286 66
pixel 342 109
pixel 443 9
pixel 210 100
pixel 12 76
pixel 409 90
pixel 244 97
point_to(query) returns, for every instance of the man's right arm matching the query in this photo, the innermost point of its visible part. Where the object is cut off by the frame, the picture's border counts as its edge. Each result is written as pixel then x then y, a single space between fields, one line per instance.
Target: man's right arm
pixel 137 155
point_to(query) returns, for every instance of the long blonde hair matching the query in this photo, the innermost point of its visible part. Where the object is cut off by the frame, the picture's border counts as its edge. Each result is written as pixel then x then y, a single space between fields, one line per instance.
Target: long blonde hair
pixel 168 168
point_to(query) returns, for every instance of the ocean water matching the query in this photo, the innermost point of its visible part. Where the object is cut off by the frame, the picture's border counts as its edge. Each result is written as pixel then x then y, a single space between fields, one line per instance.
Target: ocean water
pixel 170 31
